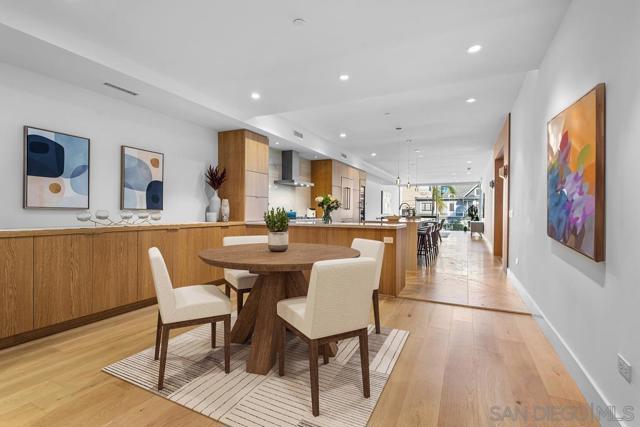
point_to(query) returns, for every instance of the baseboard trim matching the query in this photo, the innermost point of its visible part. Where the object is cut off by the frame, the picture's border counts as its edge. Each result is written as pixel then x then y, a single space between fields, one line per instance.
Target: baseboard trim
pixel 72 323
pixel 576 369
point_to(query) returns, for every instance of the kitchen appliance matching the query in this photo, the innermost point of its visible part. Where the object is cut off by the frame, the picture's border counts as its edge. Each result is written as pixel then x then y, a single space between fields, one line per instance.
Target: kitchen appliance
pixel 311 213
pixel 292 214
pixel 291 170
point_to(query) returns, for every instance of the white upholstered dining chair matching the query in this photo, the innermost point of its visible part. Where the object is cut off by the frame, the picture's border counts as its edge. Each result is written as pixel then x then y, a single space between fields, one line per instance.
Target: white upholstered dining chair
pixel 336 307
pixel 372 249
pixel 241 281
pixel 186 306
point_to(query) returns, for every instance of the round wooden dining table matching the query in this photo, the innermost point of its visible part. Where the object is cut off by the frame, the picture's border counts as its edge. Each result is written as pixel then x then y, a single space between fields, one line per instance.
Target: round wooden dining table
pixel 280 276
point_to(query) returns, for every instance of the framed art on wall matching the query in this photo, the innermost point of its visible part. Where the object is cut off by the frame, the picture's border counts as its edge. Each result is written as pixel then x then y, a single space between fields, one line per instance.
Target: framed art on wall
pixel 142 179
pixel 56 170
pixel 576 175
pixel 386 207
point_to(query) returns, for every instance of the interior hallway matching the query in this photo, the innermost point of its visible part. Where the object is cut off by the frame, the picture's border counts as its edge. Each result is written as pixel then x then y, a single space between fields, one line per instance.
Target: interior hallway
pixel 464 273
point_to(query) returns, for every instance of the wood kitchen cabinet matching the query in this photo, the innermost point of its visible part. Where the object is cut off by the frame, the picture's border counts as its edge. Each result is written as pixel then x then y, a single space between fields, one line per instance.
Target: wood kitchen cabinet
pixel 340 180
pixel 16 285
pixel 245 155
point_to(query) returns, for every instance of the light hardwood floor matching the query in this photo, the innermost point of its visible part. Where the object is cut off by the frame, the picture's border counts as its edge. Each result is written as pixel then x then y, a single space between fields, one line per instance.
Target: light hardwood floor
pixel 457 364
pixel 464 273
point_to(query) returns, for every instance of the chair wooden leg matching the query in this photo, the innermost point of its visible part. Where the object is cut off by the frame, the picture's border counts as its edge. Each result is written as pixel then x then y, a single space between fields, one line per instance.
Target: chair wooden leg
pixel 283 345
pixel 163 355
pixel 239 300
pixel 158 337
pixel 227 343
pixel 313 373
pixel 376 310
pixel 213 334
pixel 325 354
pixel 227 290
pixel 364 361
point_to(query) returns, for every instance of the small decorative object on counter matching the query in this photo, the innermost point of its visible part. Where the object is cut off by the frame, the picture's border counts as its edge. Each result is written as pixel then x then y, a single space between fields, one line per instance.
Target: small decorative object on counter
pixel 102 217
pixel 277 223
pixel 214 178
pixel 224 210
pixel 328 203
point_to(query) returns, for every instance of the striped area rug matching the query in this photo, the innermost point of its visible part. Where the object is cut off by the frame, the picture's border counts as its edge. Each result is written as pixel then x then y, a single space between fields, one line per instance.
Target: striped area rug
pixel 195 379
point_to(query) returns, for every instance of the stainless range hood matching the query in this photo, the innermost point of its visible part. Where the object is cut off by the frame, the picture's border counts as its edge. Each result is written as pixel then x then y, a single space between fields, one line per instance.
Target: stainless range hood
pixel 291 170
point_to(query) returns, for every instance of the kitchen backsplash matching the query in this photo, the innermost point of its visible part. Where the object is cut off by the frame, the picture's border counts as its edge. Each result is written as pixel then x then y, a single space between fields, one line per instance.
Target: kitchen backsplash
pixel 296 198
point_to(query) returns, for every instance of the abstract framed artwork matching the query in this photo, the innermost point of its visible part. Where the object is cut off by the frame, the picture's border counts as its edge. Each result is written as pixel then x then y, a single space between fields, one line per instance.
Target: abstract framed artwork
pixel 576 175
pixel 56 170
pixel 142 179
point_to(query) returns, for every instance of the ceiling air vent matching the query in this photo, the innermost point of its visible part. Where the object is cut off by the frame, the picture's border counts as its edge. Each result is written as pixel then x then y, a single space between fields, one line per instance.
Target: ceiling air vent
pixel 121 89
pixel 298 134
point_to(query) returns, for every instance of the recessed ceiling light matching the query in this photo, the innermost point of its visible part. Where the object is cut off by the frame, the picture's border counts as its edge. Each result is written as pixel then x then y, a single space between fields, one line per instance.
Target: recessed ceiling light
pixel 474 49
pixel 344 77
pixel 471 100
pixel 409 141
pixel 315 157
pixel 277 143
pixel 420 156
pixel 416 150
pixel 373 154
pixel 255 95
pixel 387 114
pixel 398 128
pixel 468 162
pixel 299 22
pixel 469 173
pixel 343 135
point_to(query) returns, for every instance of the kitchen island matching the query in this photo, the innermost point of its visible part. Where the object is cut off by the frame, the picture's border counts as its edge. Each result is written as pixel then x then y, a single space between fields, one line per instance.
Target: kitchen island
pixel 392 279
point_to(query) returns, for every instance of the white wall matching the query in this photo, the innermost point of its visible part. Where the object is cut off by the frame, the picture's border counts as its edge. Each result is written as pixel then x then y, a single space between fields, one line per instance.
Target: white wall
pixel 593 306
pixel 373 198
pixel 296 198
pixel 32 99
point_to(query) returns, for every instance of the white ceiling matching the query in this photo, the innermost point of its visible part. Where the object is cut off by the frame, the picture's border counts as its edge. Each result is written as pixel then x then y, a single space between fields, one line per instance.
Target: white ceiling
pixel 404 57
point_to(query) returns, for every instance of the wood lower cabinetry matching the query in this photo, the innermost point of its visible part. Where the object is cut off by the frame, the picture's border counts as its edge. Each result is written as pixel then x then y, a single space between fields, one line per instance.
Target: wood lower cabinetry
pixel 392 278
pixel 16 286
pixel 63 274
pixel 52 280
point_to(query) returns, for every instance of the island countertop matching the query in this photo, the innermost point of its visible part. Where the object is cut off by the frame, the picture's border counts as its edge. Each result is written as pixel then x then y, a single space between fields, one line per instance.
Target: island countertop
pixel 358 225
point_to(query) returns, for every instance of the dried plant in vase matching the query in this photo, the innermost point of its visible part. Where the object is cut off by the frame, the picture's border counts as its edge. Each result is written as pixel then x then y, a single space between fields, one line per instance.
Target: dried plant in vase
pixel 214 179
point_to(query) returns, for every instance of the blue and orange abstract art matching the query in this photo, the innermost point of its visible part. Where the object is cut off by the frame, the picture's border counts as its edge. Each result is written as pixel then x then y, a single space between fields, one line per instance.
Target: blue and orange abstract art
pixel 56 170
pixel 142 179
pixel 575 175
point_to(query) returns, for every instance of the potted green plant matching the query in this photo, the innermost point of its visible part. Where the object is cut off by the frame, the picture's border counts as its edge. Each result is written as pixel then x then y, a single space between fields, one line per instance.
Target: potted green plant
pixel 277 223
pixel 214 178
pixel 328 203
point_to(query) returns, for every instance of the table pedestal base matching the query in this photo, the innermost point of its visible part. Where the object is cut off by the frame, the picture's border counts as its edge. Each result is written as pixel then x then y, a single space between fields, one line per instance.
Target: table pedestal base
pixel 258 319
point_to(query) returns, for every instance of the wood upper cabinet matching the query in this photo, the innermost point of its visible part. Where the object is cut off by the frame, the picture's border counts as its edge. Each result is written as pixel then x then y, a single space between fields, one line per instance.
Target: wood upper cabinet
pixel 340 180
pixel 165 241
pixel 257 153
pixel 16 285
pixel 62 278
pixel 115 270
pixel 245 155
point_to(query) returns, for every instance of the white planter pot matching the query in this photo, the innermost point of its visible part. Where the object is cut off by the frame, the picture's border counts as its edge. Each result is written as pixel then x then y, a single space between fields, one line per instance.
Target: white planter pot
pixel 212 217
pixel 278 241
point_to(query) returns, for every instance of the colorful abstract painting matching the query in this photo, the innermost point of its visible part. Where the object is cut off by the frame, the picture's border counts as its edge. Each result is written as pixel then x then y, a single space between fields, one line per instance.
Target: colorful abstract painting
pixel 575 175
pixel 56 170
pixel 142 179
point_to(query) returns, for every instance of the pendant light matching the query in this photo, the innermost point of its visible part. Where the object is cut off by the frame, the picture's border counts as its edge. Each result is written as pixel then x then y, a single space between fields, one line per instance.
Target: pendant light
pixel 398 178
